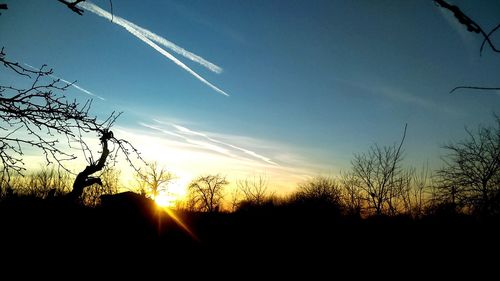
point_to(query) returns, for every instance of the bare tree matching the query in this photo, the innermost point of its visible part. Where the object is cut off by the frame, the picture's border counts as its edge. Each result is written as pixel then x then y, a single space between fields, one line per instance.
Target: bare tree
pixel 254 190
pixel 381 176
pixel 416 192
pixel 36 117
pixel 235 198
pixel 43 183
pixel 206 193
pixel 352 194
pixel 471 175
pixel 155 178
pixel 320 191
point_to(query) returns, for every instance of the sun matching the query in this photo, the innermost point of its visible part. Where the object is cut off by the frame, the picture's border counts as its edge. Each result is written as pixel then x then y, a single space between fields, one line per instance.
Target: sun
pixel 175 193
pixel 165 200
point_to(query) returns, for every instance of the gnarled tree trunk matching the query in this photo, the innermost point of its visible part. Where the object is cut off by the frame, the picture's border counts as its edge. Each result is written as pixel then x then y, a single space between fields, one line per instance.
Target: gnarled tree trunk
pixel 84 178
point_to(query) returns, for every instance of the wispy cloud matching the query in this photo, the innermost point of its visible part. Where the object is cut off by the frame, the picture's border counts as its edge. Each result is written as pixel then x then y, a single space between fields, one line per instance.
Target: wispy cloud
pixel 246 151
pixel 74 85
pixel 408 98
pixel 191 138
pixel 189 153
pixel 148 37
pixel 203 140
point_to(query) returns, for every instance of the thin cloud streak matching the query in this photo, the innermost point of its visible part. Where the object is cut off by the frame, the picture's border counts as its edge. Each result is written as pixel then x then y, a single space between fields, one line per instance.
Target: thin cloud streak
pixel 137 33
pixel 70 83
pixel 213 144
pixel 249 152
pixel 187 160
pixel 194 143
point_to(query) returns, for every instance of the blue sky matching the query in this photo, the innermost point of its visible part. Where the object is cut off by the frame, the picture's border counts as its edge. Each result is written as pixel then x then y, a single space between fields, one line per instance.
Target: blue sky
pixel 310 82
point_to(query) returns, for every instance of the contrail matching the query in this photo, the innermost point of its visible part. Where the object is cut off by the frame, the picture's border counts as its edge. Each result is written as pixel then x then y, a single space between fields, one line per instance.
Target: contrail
pixel 70 83
pixel 153 37
pixel 249 152
pixel 181 51
pixel 130 27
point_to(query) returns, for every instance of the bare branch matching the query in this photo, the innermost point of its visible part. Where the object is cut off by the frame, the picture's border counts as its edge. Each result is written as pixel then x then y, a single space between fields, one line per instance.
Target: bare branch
pixel 38 117
pixel 475 88
pixel 487 37
pixel 471 25
pixel 72 6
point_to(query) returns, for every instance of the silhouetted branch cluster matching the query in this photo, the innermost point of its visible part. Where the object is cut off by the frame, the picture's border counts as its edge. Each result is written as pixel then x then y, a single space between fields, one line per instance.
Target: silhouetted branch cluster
pixel 471 176
pixel 35 116
pixel 254 190
pixel 72 6
pixel 206 193
pixel 472 26
pixel 154 178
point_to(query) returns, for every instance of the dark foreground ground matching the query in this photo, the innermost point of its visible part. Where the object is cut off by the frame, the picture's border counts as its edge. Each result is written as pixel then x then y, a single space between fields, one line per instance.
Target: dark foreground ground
pixel 140 235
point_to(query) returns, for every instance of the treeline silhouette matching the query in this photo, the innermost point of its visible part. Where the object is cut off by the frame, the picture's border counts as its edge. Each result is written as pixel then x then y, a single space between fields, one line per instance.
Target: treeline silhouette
pixel 379 206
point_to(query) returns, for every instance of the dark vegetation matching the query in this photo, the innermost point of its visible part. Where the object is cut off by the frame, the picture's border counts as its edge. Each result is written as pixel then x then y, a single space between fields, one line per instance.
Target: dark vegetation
pixel 378 212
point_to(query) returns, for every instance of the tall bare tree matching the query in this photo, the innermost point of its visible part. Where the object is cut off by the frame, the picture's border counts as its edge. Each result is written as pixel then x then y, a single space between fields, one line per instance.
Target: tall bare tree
pixel 352 194
pixel 417 191
pixel 254 190
pixel 381 176
pixel 206 193
pixel 471 173
pixel 155 178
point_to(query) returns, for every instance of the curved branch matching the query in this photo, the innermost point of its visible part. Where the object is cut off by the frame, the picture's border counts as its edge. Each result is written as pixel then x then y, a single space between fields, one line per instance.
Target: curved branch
pixel 471 25
pixel 84 178
pixel 475 88
pixel 487 39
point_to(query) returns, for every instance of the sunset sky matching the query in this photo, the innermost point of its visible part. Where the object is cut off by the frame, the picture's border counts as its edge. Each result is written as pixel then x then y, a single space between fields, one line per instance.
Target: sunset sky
pixel 286 89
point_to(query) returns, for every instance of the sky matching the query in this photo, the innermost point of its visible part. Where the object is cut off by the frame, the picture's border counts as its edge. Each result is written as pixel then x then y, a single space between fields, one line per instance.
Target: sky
pixel 285 89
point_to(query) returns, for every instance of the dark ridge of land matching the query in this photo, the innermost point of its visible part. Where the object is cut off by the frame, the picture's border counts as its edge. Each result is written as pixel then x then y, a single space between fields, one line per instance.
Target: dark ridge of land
pixel 38 228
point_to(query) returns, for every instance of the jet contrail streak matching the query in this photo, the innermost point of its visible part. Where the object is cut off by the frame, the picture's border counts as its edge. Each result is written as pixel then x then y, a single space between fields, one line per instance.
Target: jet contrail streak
pixel 181 51
pixel 130 27
pixel 70 83
pixel 249 152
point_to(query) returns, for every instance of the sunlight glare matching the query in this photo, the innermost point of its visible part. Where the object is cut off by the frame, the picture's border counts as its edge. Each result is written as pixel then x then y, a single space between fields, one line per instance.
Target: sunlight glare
pixel 176 192
pixel 165 200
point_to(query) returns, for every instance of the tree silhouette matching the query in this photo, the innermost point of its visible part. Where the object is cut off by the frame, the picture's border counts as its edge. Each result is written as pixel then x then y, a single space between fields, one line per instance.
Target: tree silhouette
pixel 381 176
pixel 471 176
pixel 154 178
pixel 254 190
pixel 319 192
pixel 352 194
pixel 206 193
pixel 38 117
